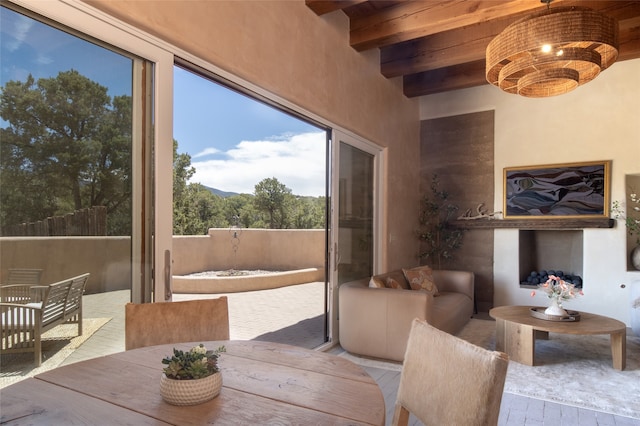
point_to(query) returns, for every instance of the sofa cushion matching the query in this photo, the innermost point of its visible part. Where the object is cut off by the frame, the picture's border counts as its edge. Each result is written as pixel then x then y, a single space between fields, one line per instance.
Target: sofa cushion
pixel 393 283
pixel 376 282
pixel 396 275
pixel 421 278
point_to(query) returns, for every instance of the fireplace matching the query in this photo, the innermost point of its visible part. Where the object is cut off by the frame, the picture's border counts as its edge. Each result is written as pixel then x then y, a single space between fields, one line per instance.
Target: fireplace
pixel 555 250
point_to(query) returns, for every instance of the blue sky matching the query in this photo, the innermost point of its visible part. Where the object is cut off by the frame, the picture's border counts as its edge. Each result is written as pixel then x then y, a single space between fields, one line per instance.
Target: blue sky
pixel 234 142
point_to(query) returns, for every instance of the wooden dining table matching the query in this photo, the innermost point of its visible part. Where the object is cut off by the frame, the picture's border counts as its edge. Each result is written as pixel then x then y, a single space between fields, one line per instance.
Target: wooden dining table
pixel 263 384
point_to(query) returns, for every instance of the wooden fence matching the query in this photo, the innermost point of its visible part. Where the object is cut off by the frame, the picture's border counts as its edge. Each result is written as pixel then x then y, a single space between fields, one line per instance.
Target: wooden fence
pixel 85 222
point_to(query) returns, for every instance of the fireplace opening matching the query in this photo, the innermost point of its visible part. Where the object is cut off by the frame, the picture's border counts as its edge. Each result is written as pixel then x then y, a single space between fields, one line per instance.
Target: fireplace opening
pixel 541 276
pixel 544 251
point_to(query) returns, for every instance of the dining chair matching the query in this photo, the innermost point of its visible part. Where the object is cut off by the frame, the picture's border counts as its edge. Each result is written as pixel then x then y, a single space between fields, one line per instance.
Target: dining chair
pixel 448 381
pixel 149 324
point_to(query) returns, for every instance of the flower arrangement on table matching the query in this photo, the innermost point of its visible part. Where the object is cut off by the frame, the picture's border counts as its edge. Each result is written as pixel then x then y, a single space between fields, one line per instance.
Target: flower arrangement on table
pixel 197 363
pixel 191 377
pixel 558 290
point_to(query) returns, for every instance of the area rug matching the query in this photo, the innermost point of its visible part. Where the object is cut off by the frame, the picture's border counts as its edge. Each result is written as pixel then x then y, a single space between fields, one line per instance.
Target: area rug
pixel 571 370
pixel 57 344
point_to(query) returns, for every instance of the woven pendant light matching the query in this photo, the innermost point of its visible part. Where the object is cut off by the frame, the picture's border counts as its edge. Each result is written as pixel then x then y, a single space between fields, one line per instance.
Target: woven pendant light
pixel 552 52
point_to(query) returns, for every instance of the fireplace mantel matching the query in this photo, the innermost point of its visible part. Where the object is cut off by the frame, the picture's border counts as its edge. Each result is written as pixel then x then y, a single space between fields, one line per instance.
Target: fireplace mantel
pixel 533 224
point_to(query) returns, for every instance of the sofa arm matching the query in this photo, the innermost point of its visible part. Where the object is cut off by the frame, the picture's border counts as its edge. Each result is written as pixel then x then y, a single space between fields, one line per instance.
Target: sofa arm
pixel 376 321
pixel 455 281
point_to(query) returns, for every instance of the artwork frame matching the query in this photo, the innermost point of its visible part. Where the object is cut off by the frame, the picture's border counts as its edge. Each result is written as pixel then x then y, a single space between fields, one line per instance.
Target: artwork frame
pixel 554 191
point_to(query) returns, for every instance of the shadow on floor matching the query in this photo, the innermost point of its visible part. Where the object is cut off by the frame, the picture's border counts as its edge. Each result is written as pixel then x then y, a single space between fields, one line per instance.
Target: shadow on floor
pixel 307 333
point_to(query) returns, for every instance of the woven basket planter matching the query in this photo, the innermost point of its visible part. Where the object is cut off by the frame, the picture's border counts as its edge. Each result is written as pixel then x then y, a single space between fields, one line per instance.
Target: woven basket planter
pixel 190 392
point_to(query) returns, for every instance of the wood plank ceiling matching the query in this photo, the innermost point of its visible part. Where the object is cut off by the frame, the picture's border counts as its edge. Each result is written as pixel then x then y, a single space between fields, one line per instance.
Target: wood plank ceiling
pixel 437 46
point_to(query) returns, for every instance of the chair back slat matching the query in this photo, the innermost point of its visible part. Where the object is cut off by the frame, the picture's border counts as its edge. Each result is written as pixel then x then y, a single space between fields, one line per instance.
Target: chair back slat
pixel 24 276
pixel 55 304
pixel 76 290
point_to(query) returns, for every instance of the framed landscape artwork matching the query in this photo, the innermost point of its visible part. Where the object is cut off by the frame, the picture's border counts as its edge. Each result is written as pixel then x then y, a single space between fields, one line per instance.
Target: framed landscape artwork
pixel 557 191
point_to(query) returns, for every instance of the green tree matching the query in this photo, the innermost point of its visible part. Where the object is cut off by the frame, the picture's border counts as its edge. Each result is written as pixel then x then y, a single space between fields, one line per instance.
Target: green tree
pixel 67 147
pixel 195 208
pixel 240 207
pixel 309 213
pixel 274 199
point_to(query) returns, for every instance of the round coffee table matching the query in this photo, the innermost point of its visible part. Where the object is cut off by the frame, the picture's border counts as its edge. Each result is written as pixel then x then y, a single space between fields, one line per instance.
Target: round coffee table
pixel 517 331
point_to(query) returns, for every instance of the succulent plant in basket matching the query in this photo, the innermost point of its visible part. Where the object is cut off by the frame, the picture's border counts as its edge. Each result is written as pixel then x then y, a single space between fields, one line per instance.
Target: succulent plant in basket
pixel 191 377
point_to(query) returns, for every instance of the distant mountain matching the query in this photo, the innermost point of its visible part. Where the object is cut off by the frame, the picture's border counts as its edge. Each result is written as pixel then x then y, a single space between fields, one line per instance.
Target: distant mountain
pixel 223 194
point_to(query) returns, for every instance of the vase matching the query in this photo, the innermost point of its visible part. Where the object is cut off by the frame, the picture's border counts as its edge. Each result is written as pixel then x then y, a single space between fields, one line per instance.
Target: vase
pixel 555 308
pixel 190 392
pixel 635 257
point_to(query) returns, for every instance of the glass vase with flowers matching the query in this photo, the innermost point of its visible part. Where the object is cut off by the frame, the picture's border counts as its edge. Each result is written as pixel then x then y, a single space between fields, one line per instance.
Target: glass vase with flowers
pixel 558 291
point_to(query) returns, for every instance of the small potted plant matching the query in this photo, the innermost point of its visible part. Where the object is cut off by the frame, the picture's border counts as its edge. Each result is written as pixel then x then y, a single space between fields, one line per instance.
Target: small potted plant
pixel 191 377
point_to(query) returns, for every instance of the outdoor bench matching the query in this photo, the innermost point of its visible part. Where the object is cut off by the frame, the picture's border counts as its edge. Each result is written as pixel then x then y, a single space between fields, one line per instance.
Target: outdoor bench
pixel 27 311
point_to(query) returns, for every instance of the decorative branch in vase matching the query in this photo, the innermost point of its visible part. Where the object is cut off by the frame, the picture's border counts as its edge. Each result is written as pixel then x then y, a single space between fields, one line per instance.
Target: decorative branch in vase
pixel 439 240
pixel 631 219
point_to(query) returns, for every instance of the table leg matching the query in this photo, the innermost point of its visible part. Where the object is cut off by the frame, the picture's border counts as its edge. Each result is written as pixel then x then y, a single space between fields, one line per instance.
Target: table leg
pixel 619 349
pixel 541 335
pixel 517 341
pixel 500 331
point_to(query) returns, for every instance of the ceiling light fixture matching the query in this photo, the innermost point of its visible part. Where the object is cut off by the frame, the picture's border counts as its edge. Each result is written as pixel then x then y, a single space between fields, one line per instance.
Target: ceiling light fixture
pixel 552 52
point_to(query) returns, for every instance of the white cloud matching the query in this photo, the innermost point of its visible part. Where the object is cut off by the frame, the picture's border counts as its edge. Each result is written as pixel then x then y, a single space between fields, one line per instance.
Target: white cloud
pixel 206 152
pixel 297 161
pixel 42 59
pixel 21 28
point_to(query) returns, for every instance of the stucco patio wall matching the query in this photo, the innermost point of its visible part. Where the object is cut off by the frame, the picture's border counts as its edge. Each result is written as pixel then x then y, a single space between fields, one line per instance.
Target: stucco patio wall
pixel 271 249
pixel 107 259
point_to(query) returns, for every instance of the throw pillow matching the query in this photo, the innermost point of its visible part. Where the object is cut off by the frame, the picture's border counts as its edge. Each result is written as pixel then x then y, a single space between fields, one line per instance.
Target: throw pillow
pixel 376 283
pixel 421 278
pixel 391 283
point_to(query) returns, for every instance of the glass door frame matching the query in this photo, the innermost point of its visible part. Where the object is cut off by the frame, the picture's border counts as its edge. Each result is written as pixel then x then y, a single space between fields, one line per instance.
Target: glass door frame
pixel 379 254
pixel 152 153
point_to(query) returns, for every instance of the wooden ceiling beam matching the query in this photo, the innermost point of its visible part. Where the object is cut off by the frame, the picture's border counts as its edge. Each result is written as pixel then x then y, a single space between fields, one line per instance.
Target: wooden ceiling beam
pixel 469 44
pixel 629 33
pixel 322 7
pixel 411 20
pixel 440 45
pixel 445 79
pixel 466 44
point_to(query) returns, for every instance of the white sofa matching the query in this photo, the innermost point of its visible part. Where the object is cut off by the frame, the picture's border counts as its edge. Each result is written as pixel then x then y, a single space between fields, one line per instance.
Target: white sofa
pixel 376 322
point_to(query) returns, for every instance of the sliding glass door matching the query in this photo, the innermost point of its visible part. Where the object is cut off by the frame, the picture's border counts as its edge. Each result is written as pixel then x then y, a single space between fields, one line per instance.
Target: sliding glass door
pixel 354 217
pixel 86 134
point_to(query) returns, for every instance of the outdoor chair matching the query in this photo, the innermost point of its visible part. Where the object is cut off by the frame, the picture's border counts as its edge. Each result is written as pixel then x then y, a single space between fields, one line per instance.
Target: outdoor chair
pixel 27 311
pixel 448 381
pixel 23 277
pixel 149 324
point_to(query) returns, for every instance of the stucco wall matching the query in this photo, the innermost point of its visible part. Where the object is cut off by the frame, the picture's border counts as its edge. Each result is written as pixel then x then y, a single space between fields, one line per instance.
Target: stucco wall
pixel 284 48
pixel 270 249
pixel 599 121
pixel 107 259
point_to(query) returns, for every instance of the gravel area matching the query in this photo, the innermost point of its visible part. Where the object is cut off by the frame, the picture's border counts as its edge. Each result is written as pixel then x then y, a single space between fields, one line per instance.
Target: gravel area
pixel 231 273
